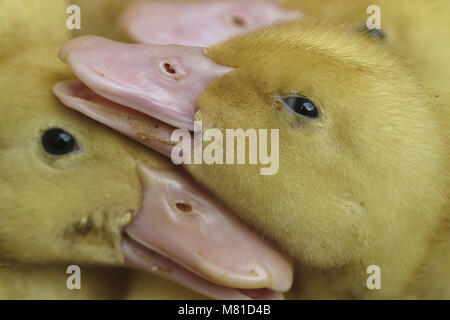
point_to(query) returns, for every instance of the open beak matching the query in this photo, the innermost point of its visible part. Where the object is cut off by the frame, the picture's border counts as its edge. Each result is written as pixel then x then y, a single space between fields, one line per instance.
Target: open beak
pixel 180 232
pixel 199 23
pixel 183 234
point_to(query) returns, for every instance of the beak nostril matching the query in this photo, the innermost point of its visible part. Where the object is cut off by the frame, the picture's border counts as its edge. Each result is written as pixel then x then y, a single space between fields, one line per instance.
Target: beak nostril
pixel 184 207
pixel 168 68
pixel 239 21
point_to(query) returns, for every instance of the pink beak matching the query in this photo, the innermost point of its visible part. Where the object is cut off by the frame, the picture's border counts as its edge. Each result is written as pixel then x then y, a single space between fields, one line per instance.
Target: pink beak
pixel 200 23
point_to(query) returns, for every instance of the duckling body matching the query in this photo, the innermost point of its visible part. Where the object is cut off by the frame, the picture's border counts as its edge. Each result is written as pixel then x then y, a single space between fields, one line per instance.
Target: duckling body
pixel 363 183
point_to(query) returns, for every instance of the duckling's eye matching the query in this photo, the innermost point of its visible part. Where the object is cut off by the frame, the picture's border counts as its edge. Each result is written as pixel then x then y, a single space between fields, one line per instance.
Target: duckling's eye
pixel 373 33
pixel 58 142
pixel 301 106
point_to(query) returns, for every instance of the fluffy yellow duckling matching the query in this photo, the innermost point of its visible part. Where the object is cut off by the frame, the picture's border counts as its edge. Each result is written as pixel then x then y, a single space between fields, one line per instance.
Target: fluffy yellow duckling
pixel 363 148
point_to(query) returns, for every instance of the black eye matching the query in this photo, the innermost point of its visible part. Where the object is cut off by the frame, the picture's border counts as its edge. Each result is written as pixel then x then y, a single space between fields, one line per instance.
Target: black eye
pixel 373 33
pixel 301 106
pixel 58 142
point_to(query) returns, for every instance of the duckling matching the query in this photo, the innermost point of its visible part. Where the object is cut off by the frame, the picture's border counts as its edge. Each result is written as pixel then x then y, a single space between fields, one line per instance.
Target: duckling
pixel 418 31
pixel 363 147
pixel 73 193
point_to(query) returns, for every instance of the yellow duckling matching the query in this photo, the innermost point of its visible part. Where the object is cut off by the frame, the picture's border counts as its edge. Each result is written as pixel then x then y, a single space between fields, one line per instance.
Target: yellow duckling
pixel 363 148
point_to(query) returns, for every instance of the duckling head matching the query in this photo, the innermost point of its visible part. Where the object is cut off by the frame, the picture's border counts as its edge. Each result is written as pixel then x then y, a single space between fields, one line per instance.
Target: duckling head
pixel 74 192
pixel 361 174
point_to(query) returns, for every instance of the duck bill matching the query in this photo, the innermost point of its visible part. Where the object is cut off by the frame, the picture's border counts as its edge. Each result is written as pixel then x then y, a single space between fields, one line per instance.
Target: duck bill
pixel 180 232
pixel 199 23
pixel 160 81
pixel 183 234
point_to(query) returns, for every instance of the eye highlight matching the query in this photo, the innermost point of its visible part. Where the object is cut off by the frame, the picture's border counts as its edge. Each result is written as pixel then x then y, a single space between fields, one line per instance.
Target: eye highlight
pixel 301 106
pixel 58 142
